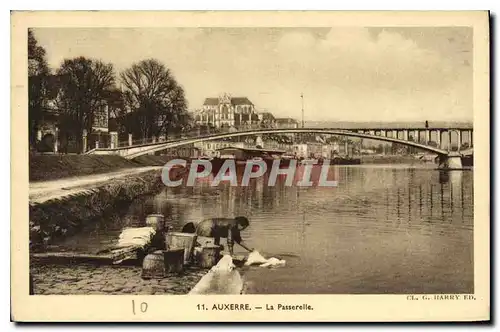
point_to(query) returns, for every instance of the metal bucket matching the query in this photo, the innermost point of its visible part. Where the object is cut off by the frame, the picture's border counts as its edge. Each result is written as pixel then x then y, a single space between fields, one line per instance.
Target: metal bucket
pixel 209 256
pixel 186 241
pixel 157 221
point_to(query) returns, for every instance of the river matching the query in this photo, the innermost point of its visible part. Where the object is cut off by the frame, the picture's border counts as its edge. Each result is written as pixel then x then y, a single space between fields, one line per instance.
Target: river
pixel 383 229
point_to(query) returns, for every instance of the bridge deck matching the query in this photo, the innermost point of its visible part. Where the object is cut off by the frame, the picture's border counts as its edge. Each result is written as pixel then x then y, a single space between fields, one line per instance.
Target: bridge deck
pixel 137 150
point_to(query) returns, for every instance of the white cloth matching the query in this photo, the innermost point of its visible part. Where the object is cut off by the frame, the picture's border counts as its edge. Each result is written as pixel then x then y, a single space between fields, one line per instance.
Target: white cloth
pixel 223 278
pixel 255 258
pixel 140 236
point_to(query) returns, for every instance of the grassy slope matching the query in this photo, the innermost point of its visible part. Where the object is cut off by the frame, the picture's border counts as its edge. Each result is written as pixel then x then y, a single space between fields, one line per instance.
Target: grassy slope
pixel 53 167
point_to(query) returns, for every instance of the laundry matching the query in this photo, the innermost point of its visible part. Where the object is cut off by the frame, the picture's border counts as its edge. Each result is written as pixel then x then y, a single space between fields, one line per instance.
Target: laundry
pixel 255 258
pixel 136 237
pixel 223 278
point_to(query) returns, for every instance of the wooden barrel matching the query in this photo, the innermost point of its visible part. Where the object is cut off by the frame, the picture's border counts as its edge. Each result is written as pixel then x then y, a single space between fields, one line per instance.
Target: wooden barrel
pixel 157 221
pixel 209 256
pixel 174 260
pixel 186 241
pixel 153 266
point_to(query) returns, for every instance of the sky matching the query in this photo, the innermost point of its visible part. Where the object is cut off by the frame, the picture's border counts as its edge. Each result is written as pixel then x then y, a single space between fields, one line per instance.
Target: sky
pixel 344 74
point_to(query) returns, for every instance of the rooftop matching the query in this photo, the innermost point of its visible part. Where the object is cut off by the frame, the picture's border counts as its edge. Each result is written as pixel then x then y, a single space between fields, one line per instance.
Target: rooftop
pixel 234 101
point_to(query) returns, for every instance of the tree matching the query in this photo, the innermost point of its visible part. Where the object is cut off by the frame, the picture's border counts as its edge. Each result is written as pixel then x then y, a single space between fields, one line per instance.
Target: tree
pixel 84 86
pixel 156 99
pixel 38 72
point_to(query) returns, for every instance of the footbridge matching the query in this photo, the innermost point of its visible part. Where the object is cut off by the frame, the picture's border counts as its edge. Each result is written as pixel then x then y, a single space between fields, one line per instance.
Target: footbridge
pixel 408 137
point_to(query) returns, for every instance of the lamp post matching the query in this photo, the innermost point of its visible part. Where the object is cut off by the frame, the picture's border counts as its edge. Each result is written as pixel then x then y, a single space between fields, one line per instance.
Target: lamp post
pixel 302 98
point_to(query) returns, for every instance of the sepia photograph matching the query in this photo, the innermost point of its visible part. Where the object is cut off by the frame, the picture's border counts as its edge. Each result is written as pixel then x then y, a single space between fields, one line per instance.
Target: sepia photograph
pixel 235 159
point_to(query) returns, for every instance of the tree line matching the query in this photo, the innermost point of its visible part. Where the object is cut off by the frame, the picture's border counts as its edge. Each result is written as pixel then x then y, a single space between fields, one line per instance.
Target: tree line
pixel 145 99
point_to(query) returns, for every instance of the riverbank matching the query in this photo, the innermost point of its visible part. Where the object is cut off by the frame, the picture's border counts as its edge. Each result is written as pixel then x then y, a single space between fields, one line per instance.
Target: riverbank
pixel 108 280
pixel 68 210
pixel 390 159
pixel 48 167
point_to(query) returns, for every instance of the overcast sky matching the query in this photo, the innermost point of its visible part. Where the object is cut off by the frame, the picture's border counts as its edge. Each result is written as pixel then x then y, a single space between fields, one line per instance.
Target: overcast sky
pixel 346 74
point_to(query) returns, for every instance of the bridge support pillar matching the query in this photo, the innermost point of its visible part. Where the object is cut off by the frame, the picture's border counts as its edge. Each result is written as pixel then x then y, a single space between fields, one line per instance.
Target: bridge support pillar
pixel 449 140
pixel 259 142
pixel 452 161
pixel 438 138
pixel 394 134
pixel 459 139
pixel 129 139
pixel 383 133
pixel 405 135
pixel 427 136
pixel 470 139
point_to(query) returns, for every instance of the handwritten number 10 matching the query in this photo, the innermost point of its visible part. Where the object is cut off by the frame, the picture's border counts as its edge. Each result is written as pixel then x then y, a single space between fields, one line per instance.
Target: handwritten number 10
pixel 143 307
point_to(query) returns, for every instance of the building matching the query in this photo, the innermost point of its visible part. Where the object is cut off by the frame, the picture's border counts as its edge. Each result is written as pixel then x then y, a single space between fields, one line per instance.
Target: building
pixel 267 120
pixel 300 150
pixel 286 123
pixel 52 135
pixel 319 150
pixel 227 111
pixel 186 152
pixel 249 153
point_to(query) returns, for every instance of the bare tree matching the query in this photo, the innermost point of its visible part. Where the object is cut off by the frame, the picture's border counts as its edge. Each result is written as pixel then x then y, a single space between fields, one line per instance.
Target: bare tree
pixel 38 72
pixel 84 86
pixel 156 99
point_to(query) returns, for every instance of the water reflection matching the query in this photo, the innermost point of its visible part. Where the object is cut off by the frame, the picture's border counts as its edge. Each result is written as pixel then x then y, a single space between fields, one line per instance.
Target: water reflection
pixel 381 230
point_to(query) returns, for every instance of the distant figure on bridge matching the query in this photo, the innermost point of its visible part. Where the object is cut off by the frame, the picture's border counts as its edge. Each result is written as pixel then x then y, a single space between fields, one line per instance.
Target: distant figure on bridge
pixel 229 228
pixel 426 124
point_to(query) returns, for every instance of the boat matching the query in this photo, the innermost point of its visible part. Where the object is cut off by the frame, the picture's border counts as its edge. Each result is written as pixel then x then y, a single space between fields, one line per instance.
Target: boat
pixel 345 161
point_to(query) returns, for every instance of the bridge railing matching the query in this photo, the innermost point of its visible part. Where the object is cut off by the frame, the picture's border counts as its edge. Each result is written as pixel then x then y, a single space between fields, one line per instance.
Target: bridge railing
pixel 188 135
pixel 168 138
pixel 206 133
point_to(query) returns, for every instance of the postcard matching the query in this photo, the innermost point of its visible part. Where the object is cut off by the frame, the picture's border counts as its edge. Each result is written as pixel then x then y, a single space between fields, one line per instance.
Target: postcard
pixel 308 166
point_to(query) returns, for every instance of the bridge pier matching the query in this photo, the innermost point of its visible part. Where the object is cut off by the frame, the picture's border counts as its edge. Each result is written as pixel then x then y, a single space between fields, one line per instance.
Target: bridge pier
pixel 452 161
pixel 405 135
pixel 427 136
pixel 459 139
pixel 449 140
pixel 438 138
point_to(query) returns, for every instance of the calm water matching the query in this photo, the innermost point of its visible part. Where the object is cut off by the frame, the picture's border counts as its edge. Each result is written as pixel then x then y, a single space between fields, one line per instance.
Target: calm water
pixel 383 229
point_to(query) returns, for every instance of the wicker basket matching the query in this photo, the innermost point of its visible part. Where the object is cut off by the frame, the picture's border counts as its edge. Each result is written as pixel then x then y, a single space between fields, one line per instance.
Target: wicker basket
pixel 153 266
